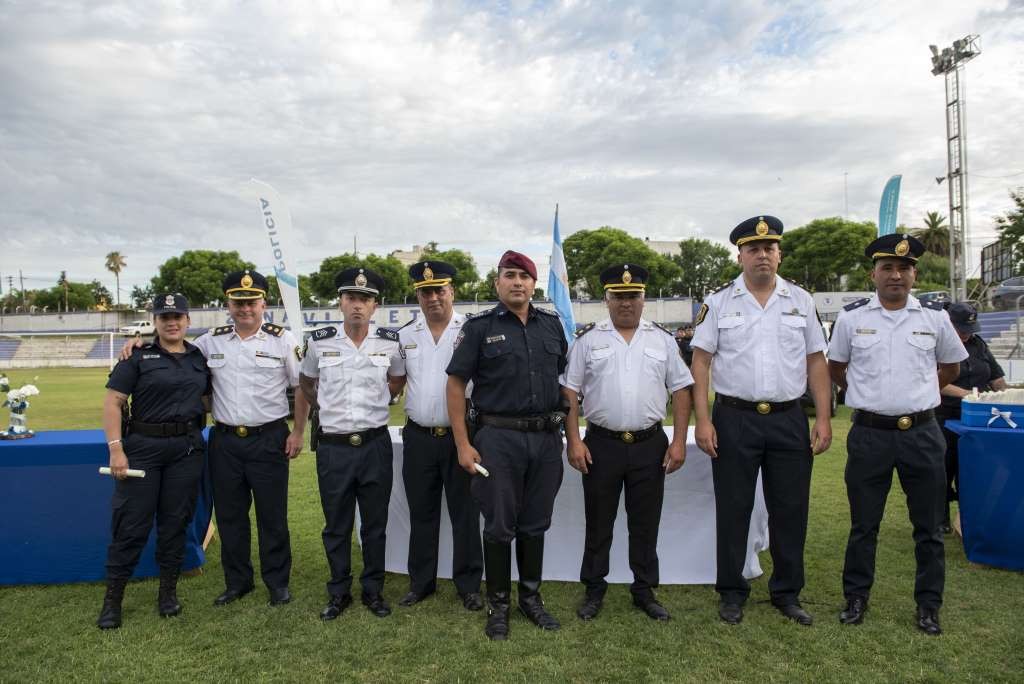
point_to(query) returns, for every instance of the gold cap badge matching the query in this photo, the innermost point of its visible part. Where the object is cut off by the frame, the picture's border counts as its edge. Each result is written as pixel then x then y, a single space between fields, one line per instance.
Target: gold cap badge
pixel 761 228
pixel 627 277
pixel 361 279
pixel 428 274
pixel 902 248
pixel 247 280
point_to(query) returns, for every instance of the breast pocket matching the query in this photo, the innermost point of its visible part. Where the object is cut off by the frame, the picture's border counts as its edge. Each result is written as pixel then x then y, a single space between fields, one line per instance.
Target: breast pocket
pixel 791 334
pixel 552 352
pixel 598 359
pixel 922 351
pixel 498 359
pixel 412 358
pixel 268 366
pixel 654 362
pixel 330 369
pixel 731 332
pixel 863 352
pixel 215 364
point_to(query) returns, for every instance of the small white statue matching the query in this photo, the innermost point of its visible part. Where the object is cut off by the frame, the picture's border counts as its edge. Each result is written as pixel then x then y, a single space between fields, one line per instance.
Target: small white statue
pixel 17 402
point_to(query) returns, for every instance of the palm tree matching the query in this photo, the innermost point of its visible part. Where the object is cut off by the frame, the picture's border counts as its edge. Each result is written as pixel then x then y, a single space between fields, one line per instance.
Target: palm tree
pixel 935 234
pixel 115 263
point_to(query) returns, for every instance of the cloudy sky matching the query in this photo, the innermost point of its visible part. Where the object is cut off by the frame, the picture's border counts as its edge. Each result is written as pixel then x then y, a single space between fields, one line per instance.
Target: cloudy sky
pixel 135 126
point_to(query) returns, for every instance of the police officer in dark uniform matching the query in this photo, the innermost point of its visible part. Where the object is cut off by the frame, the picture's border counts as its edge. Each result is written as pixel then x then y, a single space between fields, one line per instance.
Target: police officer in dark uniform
pixel 513 354
pixel 167 382
pixel 980 370
pixel 892 353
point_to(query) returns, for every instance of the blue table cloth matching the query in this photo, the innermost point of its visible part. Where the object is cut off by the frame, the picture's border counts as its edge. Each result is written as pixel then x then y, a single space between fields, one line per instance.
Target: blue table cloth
pixel 992 494
pixel 55 509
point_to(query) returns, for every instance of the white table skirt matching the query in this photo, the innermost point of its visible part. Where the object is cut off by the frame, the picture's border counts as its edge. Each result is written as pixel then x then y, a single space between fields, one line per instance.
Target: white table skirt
pixel 686 542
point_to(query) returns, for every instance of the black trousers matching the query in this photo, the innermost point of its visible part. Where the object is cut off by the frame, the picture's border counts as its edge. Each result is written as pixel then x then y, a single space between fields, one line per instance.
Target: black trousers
pixel 429 465
pixel 173 468
pixel 777 444
pixel 348 475
pixel 525 474
pixel 244 470
pixel 638 468
pixel 917 455
pixel 952 459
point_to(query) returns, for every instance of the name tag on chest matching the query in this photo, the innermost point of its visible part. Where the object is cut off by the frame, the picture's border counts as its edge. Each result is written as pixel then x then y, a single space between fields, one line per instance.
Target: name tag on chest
pixel 495 338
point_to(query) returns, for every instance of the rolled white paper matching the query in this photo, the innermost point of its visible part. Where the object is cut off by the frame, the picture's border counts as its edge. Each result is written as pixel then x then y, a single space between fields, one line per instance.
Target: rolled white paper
pixel 480 469
pixel 104 470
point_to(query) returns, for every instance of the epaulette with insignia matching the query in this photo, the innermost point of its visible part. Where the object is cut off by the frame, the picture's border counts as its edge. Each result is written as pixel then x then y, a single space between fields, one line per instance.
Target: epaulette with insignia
pixel 324 333
pixel 932 304
pixel 480 314
pixel 408 324
pixel 856 304
pixel 271 329
pixel 662 328
pixel 585 329
pixel 549 312
pixel 724 286
pixel 386 334
pixel 223 330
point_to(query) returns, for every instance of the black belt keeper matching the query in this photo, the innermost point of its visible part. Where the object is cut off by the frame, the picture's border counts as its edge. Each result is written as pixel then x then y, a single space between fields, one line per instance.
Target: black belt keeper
pixel 437 432
pixel 880 422
pixel 627 436
pixel 541 423
pixel 350 438
pixel 762 407
pixel 247 430
pixel 163 429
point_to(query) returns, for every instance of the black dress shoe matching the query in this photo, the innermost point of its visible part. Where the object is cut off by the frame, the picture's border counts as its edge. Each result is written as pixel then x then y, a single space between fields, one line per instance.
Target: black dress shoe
pixel 280 596
pixel 928 621
pixel 336 606
pixel 231 595
pixel 590 607
pixel 413 597
pixel 796 613
pixel 376 604
pixel 472 601
pixel 533 608
pixel 730 613
pixel 853 614
pixel 650 605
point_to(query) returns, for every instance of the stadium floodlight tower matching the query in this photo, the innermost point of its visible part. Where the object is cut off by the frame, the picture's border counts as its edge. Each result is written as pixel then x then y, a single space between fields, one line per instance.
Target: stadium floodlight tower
pixel 950 62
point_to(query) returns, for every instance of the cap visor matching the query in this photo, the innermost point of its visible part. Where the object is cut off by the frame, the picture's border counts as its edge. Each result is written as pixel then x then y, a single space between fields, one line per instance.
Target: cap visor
pixel 359 290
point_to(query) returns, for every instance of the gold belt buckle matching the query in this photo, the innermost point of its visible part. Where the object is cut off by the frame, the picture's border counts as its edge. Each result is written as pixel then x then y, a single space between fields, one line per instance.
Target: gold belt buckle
pixel 904 422
pixel 241 431
pixel 764 408
pixel 439 431
pixel 628 437
pixel 355 440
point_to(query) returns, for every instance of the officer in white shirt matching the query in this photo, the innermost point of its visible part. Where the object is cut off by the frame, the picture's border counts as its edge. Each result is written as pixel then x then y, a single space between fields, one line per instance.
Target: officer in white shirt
pixel 763 336
pixel 352 373
pixel 431 461
pixel 626 368
pixel 892 353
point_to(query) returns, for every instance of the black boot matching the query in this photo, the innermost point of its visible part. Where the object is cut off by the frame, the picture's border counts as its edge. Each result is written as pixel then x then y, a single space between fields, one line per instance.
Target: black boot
pixel 498 564
pixel 167 598
pixel 530 560
pixel 110 614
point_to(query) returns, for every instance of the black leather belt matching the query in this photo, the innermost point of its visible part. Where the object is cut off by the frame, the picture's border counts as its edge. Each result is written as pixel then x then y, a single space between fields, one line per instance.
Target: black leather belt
pixel 246 430
pixel 164 429
pixel 540 423
pixel 351 438
pixel 762 407
pixel 627 436
pixel 438 431
pixel 904 422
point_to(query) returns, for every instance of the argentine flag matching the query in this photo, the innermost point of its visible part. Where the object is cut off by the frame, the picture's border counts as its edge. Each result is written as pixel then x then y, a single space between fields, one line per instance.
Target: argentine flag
pixel 558 285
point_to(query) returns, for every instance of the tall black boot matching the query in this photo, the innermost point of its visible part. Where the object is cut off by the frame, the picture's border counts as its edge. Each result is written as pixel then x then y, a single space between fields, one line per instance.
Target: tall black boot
pixel 110 614
pixel 530 560
pixel 167 598
pixel 498 564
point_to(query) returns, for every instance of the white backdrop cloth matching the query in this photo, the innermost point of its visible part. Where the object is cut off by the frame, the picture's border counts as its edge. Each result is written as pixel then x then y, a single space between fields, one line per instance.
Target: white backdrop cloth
pixel 686 539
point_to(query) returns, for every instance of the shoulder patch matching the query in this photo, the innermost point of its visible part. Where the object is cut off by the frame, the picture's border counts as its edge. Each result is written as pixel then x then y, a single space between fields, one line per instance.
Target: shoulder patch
pixel 856 304
pixel 585 329
pixel 935 306
pixel 702 314
pixel 386 334
pixel 663 329
pixel 324 333
pixel 223 330
pixel 271 329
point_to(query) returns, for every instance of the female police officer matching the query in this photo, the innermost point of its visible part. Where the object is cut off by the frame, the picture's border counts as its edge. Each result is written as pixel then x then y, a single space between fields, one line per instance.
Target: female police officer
pixel 168 382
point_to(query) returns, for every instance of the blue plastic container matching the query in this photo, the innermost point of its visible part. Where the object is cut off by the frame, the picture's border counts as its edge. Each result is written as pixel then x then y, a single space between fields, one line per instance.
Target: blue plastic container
pixel 978 414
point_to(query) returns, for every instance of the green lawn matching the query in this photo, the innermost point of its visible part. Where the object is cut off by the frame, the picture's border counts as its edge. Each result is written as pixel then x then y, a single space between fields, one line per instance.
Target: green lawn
pixel 48 633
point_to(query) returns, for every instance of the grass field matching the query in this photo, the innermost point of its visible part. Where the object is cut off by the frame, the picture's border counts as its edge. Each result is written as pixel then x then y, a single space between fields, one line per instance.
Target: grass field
pixel 48 633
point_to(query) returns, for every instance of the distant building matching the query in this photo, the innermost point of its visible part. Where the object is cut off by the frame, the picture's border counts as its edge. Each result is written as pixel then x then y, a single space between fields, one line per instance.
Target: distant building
pixel 664 247
pixel 408 258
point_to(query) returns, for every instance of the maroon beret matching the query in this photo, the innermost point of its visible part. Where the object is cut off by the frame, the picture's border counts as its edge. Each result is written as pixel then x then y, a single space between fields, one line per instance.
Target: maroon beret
pixel 512 259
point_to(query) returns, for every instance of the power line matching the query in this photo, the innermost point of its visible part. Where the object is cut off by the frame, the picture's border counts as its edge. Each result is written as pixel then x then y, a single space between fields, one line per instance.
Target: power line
pixel 978 175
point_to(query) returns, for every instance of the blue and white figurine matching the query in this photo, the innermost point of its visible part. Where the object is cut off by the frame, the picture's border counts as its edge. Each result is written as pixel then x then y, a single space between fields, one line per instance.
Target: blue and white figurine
pixel 17 402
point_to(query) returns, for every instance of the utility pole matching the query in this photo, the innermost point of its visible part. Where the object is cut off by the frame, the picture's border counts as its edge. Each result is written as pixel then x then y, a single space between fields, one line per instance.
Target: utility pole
pixel 21 278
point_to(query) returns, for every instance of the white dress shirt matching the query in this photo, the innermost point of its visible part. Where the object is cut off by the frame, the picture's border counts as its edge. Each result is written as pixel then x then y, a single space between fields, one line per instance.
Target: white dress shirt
pixel 251 375
pixel 353 392
pixel 760 354
pixel 893 355
pixel 424 365
pixel 625 386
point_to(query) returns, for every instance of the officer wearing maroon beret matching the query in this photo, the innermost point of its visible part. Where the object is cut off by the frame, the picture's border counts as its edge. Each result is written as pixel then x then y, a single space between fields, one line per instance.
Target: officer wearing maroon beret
pixel 513 354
